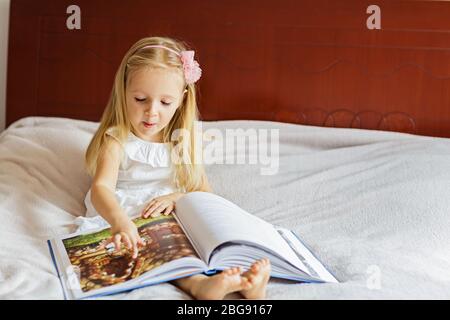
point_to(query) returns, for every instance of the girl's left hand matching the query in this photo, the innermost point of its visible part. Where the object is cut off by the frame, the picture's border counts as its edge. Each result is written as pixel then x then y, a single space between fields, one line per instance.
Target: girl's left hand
pixel 163 204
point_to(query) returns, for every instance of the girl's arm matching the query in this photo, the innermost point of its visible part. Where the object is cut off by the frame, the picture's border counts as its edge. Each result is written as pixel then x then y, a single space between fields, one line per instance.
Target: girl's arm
pixel 104 182
pixel 104 200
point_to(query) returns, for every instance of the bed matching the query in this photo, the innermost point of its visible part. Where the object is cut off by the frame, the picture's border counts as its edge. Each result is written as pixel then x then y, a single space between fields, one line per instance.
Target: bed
pixel 364 182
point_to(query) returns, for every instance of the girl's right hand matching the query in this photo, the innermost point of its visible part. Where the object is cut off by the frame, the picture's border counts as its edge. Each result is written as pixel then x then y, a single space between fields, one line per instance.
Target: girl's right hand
pixel 126 231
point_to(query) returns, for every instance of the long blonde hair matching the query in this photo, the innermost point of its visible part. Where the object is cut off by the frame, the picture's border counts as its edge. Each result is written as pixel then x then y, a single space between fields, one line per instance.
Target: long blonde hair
pixel 188 175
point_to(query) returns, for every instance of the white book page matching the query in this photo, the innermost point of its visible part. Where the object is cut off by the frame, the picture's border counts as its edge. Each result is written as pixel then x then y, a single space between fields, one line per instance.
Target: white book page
pixel 212 220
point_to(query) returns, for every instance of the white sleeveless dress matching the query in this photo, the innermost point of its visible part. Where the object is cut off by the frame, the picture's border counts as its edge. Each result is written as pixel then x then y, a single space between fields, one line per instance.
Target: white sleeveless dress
pixel 145 172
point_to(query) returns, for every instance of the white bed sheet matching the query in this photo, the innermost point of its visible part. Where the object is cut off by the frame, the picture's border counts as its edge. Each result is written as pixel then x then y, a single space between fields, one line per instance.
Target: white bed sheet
pixel 373 206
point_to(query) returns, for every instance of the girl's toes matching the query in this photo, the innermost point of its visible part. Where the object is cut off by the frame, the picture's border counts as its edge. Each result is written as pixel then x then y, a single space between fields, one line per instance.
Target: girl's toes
pixel 246 284
pixel 261 263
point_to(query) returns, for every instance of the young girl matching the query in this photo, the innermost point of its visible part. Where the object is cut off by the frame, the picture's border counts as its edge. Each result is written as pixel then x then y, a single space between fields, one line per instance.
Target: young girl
pixel 130 161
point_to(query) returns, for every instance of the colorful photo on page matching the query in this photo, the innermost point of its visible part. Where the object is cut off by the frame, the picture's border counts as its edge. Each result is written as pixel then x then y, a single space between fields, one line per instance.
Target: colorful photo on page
pixel 100 266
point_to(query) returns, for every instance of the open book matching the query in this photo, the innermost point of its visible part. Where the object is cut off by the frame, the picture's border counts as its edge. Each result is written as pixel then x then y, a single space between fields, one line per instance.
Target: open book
pixel 206 234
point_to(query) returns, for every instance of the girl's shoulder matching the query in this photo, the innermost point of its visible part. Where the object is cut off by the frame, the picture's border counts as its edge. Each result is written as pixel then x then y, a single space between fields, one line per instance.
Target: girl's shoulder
pixel 114 133
pixel 114 145
pixel 111 151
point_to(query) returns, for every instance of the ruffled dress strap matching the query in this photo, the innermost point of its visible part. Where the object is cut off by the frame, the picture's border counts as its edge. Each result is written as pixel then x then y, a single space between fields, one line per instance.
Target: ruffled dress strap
pixel 154 154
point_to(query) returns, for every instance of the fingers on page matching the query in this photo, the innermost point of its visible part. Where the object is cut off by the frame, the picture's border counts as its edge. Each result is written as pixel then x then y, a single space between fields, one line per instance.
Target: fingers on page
pixel 145 211
pixel 154 207
pixel 116 240
pixel 151 207
pixel 158 210
pixel 168 210
pixel 135 250
pixel 155 214
pixel 127 241
pixel 151 210
pixel 139 242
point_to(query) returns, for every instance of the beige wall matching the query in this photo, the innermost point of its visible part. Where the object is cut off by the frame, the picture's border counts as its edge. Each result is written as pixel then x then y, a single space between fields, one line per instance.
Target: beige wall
pixel 4 27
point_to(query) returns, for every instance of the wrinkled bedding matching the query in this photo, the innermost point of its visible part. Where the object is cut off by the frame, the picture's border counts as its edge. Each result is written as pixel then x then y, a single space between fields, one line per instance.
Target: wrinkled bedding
pixel 373 206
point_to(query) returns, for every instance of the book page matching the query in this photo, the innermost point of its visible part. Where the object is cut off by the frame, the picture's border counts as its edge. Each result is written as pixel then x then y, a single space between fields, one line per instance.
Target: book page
pixel 93 267
pixel 212 220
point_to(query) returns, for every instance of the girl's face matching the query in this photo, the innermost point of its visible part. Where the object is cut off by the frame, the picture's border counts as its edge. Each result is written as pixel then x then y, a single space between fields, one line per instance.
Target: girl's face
pixel 153 95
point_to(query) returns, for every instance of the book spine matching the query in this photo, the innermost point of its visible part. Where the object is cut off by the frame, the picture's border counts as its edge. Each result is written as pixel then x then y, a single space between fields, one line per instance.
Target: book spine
pixel 56 267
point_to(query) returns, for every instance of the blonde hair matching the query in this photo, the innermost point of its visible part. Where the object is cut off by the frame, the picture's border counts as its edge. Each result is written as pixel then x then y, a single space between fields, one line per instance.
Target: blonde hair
pixel 189 174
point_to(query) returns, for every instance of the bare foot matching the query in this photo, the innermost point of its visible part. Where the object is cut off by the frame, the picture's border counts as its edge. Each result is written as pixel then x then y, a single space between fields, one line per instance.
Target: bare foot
pixel 218 286
pixel 258 275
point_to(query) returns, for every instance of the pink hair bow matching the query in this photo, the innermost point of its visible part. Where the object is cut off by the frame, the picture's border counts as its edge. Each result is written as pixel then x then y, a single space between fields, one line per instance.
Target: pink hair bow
pixel 191 68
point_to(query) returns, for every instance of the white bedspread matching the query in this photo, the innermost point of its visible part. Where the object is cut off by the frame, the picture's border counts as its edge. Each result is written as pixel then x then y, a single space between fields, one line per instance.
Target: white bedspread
pixel 373 206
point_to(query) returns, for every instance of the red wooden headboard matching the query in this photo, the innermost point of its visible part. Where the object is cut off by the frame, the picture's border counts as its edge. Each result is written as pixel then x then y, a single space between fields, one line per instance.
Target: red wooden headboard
pixel 301 61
